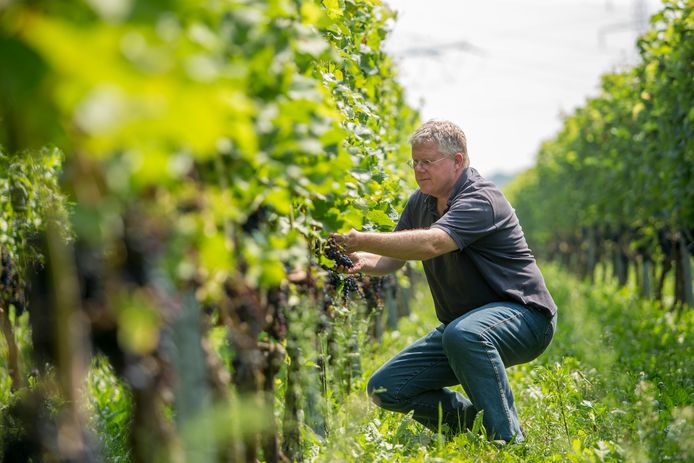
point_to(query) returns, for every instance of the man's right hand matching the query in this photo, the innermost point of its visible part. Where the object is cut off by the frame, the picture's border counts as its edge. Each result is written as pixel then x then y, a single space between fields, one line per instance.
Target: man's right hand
pixel 371 264
pixel 360 264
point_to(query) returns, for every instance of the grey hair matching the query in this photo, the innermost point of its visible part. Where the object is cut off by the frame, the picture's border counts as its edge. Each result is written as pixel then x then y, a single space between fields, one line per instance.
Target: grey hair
pixel 449 138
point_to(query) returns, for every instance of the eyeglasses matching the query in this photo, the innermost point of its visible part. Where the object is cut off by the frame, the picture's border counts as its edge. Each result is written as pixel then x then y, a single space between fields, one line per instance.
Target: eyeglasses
pixel 425 163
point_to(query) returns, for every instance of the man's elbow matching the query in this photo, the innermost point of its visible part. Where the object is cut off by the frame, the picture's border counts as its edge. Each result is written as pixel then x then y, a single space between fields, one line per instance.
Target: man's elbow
pixel 392 264
pixel 441 244
pixel 431 250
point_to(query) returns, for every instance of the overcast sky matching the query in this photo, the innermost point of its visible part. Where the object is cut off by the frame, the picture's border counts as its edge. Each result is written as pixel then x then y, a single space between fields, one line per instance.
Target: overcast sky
pixel 504 70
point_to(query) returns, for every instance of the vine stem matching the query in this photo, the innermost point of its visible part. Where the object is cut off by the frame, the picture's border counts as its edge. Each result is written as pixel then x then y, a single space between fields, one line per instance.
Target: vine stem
pixel 12 351
pixel 561 409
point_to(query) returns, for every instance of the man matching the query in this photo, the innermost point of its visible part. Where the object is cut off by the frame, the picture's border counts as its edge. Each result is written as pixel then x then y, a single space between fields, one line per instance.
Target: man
pixel 488 292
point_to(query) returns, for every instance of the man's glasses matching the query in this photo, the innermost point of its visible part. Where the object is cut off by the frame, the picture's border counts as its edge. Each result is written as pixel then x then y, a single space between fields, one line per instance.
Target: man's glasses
pixel 425 163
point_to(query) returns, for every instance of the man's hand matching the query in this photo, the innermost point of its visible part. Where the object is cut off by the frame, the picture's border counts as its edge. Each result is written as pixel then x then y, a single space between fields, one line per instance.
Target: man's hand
pixel 360 264
pixel 348 241
pixel 371 264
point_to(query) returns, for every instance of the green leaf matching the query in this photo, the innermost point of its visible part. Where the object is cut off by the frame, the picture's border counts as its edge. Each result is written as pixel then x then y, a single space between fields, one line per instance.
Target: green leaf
pixel 214 253
pixel 333 8
pixel 353 218
pixel 380 218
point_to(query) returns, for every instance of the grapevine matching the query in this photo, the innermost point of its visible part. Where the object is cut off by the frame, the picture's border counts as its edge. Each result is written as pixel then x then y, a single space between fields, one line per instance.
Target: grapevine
pixel 208 148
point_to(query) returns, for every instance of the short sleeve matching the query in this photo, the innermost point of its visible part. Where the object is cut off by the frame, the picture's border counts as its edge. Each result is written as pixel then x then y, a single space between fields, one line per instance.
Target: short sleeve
pixel 467 220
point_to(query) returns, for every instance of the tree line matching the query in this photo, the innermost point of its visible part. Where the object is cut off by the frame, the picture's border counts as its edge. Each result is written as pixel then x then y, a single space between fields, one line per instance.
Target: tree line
pixel 615 187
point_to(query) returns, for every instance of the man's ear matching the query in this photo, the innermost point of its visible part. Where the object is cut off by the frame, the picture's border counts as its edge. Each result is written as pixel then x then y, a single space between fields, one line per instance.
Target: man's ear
pixel 459 160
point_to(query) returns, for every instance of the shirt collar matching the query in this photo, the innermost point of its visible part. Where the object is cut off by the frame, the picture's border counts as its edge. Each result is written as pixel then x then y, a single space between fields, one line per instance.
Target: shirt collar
pixel 460 183
pixel 457 188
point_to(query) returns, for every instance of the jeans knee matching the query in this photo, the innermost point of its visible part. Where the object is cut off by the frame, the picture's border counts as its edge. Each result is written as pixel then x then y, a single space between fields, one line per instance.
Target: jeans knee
pixel 378 391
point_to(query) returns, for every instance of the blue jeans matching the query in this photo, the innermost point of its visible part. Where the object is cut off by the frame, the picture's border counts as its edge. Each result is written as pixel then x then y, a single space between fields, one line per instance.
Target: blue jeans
pixel 474 351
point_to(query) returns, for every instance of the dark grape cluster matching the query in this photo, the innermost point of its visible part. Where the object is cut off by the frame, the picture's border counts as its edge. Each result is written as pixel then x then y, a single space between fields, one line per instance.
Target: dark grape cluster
pixel 372 287
pixel 332 284
pixel 254 220
pixel 11 291
pixel 6 270
pixel 335 284
pixel 349 285
pixel 333 252
pixel 334 280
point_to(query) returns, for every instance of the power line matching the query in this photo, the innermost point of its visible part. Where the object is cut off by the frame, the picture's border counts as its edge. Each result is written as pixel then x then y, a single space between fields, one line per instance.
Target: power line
pixel 639 23
pixel 440 49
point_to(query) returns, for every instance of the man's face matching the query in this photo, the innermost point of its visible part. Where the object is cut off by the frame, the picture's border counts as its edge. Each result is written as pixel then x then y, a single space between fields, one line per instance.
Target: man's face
pixel 438 178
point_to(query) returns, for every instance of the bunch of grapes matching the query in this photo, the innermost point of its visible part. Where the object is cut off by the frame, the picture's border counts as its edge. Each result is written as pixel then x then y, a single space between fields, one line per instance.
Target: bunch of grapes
pixel 254 220
pixel 349 285
pixel 372 287
pixel 11 291
pixel 6 271
pixel 333 252
pixel 334 280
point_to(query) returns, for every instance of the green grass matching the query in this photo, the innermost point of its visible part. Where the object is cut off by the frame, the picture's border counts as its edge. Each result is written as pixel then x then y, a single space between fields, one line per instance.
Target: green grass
pixel 617 384
pixel 110 410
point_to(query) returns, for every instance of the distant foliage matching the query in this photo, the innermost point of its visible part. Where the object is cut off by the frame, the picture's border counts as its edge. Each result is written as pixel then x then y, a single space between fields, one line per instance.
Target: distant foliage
pixel 29 191
pixel 619 176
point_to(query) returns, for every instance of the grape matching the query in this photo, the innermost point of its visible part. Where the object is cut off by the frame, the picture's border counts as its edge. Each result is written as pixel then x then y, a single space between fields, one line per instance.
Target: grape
pixel 6 270
pixel 372 288
pixel 254 220
pixel 334 279
pixel 333 252
pixel 349 286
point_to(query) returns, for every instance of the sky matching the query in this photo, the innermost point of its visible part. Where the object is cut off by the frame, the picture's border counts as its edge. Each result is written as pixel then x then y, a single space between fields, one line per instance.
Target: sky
pixel 506 70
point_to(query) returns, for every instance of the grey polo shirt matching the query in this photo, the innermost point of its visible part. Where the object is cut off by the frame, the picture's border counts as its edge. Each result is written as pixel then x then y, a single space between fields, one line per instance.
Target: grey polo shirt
pixel 493 262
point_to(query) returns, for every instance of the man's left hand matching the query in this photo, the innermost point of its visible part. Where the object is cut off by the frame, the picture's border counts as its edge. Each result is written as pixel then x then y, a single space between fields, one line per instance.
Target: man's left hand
pixel 349 241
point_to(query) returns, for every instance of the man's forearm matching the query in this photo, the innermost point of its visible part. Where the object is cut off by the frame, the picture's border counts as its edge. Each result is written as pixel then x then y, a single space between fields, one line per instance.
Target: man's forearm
pixel 379 265
pixel 406 244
